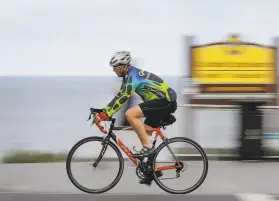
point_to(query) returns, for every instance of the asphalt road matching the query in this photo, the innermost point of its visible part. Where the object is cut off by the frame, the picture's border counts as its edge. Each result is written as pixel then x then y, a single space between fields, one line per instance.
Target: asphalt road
pixel 229 177
pixel 86 197
pixel 80 197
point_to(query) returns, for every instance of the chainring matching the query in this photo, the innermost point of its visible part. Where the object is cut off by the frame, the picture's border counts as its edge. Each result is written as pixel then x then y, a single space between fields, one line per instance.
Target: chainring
pixel 140 173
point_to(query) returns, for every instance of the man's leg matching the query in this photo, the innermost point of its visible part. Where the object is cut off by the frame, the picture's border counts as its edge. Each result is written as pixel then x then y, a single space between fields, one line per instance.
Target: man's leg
pixel 153 110
pixel 133 116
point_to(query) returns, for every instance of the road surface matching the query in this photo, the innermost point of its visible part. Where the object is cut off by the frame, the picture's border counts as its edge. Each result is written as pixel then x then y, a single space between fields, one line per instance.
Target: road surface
pixel 226 180
pixel 82 197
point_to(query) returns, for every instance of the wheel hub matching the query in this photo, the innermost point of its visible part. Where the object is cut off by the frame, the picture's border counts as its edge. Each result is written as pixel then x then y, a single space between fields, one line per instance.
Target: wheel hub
pixel 182 168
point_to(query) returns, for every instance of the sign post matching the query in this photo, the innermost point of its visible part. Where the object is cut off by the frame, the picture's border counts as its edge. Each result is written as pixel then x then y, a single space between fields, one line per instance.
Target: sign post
pixel 251 131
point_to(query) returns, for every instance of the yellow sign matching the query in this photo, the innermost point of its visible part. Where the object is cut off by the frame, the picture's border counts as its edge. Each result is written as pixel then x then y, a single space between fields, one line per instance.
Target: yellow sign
pixel 234 63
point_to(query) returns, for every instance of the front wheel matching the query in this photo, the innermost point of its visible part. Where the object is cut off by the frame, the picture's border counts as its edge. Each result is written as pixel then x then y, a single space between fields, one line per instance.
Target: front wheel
pixel 102 157
pixel 176 157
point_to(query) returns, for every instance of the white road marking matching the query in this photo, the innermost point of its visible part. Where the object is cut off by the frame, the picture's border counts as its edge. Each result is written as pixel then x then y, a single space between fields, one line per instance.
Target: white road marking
pixel 255 197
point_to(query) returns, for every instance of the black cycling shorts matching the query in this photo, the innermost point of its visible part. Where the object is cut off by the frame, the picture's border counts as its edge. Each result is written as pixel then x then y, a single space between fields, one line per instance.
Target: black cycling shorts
pixel 157 110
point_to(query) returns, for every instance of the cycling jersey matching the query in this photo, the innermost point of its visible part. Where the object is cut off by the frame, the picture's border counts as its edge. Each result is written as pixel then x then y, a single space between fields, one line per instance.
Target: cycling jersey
pixel 147 85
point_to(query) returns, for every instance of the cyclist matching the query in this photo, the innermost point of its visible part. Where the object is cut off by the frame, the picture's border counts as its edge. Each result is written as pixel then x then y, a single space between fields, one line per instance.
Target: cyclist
pixel 159 101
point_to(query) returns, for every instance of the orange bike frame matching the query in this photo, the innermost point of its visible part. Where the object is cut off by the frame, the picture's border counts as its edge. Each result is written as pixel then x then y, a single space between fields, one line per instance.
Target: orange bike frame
pixel 127 150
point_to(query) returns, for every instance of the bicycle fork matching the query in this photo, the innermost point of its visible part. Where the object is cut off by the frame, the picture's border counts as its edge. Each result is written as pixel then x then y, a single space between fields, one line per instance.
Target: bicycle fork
pixel 103 151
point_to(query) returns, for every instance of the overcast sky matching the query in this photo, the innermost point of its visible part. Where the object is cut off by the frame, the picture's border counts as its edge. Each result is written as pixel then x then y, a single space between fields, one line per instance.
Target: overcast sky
pixel 77 37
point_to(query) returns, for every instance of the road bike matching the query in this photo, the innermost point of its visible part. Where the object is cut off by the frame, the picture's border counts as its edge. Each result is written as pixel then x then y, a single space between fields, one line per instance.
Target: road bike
pixel 145 166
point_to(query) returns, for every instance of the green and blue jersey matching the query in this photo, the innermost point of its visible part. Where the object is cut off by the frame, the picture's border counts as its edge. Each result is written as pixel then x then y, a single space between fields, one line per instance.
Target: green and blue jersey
pixel 147 85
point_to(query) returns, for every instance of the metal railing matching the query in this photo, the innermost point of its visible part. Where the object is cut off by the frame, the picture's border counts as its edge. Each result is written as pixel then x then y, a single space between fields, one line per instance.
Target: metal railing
pixel 217 127
pixel 221 106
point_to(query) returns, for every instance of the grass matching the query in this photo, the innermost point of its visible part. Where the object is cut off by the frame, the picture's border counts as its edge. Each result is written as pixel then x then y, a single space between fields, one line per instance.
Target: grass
pixel 20 156
pixel 23 156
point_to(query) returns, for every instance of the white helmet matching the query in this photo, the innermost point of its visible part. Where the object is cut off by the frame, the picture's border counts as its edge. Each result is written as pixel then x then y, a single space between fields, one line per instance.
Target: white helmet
pixel 120 58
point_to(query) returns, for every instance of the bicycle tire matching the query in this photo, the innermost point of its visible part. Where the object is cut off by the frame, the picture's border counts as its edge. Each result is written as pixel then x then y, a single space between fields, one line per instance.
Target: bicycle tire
pixel 94 191
pixel 203 176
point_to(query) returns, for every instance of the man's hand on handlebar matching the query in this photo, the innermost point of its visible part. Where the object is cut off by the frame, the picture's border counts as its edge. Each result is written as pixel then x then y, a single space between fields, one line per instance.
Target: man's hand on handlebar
pixel 98 118
pixel 99 115
pixel 102 116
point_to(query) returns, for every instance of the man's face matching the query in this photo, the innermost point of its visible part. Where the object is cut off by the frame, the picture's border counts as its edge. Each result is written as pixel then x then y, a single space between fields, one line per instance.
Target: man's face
pixel 118 70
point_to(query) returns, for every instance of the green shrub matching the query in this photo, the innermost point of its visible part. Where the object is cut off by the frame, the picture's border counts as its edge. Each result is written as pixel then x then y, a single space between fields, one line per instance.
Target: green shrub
pixel 33 157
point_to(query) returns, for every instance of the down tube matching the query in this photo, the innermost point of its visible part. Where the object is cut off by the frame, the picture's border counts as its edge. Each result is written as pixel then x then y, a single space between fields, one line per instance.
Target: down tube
pixel 124 148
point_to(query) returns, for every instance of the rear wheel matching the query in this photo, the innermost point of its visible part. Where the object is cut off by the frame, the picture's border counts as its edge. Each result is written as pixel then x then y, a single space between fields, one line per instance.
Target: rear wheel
pixel 179 155
pixel 106 158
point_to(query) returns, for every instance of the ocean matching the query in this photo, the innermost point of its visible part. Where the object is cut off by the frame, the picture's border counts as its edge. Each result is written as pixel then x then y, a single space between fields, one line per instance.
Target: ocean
pixel 50 113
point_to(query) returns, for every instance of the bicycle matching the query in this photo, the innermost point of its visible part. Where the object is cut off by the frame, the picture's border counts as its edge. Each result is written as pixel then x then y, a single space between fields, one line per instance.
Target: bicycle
pixel 144 166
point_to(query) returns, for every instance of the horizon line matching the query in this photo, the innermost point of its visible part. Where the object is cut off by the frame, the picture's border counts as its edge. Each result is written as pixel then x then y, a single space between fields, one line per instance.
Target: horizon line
pixel 76 76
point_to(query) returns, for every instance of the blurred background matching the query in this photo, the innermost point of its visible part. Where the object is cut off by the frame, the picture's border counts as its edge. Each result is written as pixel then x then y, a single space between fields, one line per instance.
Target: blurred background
pixel 54 66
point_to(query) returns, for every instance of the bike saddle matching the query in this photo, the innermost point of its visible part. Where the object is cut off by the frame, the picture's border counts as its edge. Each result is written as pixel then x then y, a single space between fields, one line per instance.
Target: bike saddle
pixel 170 119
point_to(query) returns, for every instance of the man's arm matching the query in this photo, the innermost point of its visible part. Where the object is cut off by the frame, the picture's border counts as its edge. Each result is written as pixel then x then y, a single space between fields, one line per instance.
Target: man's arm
pixel 121 98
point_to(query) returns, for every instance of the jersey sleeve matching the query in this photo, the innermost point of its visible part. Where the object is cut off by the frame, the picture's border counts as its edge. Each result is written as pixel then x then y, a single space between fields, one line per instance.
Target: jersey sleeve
pixel 122 96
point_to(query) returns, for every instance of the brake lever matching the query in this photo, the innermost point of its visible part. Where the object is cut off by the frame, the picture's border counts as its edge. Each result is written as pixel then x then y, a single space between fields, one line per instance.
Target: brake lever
pixel 90 118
